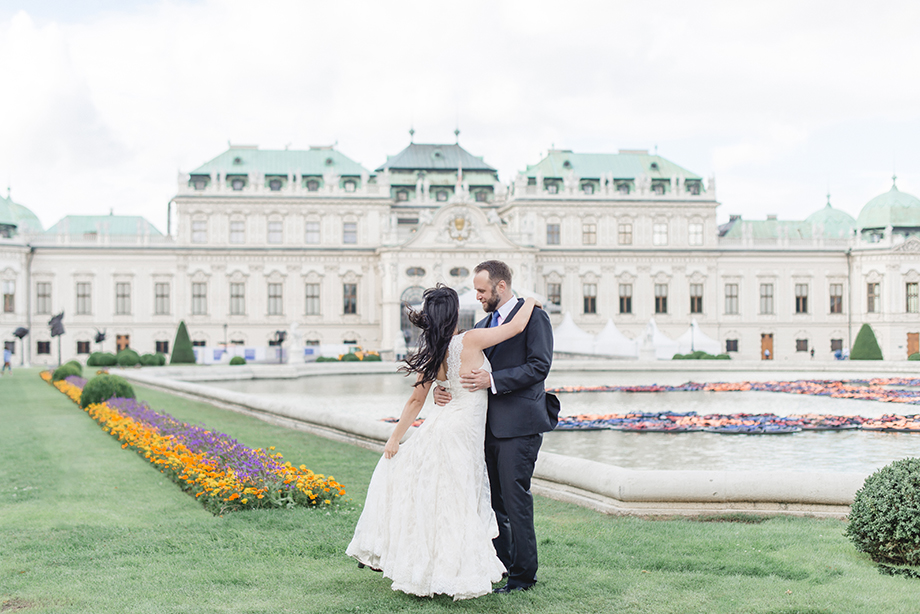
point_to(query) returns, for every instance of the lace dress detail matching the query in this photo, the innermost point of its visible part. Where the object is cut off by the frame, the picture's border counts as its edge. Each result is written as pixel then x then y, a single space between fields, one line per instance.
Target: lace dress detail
pixel 428 521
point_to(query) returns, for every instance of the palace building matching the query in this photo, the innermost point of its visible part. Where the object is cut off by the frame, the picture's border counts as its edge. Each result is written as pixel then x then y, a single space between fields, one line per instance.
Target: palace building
pixel 311 241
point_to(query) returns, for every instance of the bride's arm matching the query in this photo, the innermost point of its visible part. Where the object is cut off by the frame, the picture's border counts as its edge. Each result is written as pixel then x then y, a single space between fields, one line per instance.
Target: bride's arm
pixel 482 338
pixel 408 416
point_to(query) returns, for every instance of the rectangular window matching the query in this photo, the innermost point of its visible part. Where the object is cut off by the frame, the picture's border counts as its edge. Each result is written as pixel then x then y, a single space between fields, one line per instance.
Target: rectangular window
pixel 201 344
pixel 661 298
pixel 238 232
pixel 275 300
pixel 836 293
pixel 836 344
pixel 237 299
pixel 199 298
pixel 162 347
pixel 872 298
pixel 801 298
pixel 200 231
pixel 554 293
pixel 625 298
pixel 801 345
pixel 731 345
pixel 312 234
pixel 275 232
pixel 43 347
pixel 589 234
pixel 161 298
pixel 766 299
pixel 696 298
pixel 350 232
pixel 624 234
pixel 9 296
pixel 122 298
pixel 43 297
pixel 660 234
pixel 84 304
pixel 553 235
pixel 82 347
pixel 349 298
pixel 731 299
pixel 695 234
pixel 312 300
pixel 913 297
pixel 590 295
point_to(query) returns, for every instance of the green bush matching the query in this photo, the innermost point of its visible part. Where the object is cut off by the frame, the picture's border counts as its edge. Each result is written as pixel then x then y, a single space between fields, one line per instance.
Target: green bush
pixel 372 358
pixel 237 360
pixel 327 359
pixel 150 360
pixel 127 358
pixel 101 359
pixel 104 387
pixel 183 353
pixel 161 358
pixel 76 365
pixel 914 356
pixel 700 355
pixel 64 371
pixel 866 346
pixel 883 520
pixel 350 358
pixel 723 357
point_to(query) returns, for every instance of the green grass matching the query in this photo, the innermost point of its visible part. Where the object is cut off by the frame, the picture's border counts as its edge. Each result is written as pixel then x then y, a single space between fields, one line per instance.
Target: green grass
pixel 88 527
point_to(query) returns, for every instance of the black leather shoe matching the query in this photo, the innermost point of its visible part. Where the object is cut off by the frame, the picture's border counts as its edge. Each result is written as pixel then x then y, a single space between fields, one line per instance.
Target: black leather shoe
pixel 362 566
pixel 504 590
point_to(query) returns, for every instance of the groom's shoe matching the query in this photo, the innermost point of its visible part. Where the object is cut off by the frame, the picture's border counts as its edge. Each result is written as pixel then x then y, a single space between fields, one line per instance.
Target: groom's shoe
pixel 362 566
pixel 504 590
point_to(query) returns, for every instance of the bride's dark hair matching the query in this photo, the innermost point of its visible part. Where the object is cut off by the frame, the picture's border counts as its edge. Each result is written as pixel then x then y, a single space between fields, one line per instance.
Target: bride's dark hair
pixel 438 321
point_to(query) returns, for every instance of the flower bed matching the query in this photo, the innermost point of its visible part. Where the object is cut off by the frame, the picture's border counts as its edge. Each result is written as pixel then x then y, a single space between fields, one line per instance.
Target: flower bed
pixel 219 471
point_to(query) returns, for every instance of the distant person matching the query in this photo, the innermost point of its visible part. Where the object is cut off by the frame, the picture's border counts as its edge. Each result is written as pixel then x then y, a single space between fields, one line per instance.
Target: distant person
pixel 812 353
pixel 7 361
pixel 766 354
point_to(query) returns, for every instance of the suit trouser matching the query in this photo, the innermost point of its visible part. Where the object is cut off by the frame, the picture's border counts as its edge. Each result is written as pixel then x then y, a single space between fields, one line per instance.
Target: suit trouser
pixel 510 463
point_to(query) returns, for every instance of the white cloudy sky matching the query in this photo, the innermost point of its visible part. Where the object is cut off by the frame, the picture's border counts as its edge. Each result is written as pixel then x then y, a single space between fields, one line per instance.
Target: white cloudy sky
pixel 104 101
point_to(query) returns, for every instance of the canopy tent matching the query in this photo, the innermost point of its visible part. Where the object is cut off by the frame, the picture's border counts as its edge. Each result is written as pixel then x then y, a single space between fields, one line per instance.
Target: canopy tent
pixel 611 342
pixel 567 337
pixel 656 343
pixel 694 339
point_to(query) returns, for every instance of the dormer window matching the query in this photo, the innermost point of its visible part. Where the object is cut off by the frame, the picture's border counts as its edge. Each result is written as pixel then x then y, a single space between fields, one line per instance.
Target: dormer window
pixel 402 195
pixel 567 164
pixel 274 185
pixel 441 195
pixel 238 184
pixel 658 189
pixel 587 189
pixel 653 166
pixel 349 186
pixel 329 161
pixel 481 196
pixel 552 188
pixel 694 188
pixel 237 161
pixel 623 188
pixel 200 183
pixel 312 185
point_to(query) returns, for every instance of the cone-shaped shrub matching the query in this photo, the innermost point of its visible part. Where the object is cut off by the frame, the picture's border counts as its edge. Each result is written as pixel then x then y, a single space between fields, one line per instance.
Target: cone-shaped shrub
pixel 183 353
pixel 104 387
pixel 866 346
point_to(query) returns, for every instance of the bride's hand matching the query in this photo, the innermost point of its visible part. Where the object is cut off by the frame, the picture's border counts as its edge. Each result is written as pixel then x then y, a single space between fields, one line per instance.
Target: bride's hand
pixel 390 450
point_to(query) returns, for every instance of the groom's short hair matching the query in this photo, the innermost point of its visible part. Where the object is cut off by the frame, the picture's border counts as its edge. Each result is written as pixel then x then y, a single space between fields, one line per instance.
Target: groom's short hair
pixel 498 271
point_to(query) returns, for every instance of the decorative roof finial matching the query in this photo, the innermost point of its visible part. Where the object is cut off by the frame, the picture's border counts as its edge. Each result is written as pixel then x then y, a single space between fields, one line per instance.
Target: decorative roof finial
pixel 457 134
pixel 828 198
pixel 411 134
pixel 894 181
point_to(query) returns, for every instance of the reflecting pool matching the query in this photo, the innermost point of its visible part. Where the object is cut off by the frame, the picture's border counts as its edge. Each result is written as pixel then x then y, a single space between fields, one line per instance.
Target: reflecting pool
pixel 379 396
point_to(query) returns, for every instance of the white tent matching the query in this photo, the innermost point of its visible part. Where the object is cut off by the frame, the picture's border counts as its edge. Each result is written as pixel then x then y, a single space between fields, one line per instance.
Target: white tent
pixel 656 343
pixel 567 337
pixel 611 342
pixel 694 339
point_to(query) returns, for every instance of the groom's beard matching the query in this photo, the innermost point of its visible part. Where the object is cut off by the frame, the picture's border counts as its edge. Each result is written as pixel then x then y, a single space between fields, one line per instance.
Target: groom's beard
pixel 492 303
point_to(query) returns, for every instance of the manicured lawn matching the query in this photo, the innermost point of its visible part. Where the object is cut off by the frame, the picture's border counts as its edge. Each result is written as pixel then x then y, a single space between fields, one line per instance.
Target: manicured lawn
pixel 88 527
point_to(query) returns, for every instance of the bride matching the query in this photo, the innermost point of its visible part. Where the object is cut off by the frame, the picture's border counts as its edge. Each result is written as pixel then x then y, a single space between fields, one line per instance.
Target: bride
pixel 428 522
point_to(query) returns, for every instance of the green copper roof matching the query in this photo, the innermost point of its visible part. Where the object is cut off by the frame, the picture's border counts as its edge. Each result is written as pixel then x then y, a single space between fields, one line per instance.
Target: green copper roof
pixel 771 229
pixel 623 165
pixel 313 161
pixel 432 157
pixel 14 214
pixel 112 225
pixel 893 208
pixel 836 223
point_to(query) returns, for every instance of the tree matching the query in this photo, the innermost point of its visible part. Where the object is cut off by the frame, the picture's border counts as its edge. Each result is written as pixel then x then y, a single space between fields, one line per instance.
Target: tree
pixel 182 353
pixel 866 346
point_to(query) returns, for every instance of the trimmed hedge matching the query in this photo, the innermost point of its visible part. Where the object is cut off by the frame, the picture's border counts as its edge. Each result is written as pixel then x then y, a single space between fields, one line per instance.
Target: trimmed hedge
pixel 183 353
pixel 237 360
pixel 150 360
pixel 350 358
pixel 128 358
pixel 701 355
pixel 371 358
pixel 76 365
pixel 103 387
pixel 914 356
pixel 161 359
pixel 866 346
pixel 327 359
pixel 64 371
pixel 883 520
pixel 101 359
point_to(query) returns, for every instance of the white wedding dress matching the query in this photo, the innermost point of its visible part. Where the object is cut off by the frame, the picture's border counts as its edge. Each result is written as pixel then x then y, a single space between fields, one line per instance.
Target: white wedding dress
pixel 428 521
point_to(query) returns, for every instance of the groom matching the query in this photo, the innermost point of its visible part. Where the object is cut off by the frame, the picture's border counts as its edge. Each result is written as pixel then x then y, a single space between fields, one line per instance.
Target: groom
pixel 520 411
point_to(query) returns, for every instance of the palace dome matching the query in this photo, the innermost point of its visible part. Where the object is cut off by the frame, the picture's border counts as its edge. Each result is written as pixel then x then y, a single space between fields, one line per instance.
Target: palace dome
pixel 893 208
pixel 834 221
pixel 14 214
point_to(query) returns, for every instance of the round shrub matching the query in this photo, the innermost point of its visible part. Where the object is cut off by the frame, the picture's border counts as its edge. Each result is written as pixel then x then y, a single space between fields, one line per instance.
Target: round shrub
pixel 350 358
pixel 327 359
pixel 237 360
pixel 371 358
pixel 64 371
pixel 104 387
pixel 76 365
pixel 161 358
pixel 150 360
pixel 723 357
pixel 101 359
pixel 914 356
pixel 883 520
pixel 128 358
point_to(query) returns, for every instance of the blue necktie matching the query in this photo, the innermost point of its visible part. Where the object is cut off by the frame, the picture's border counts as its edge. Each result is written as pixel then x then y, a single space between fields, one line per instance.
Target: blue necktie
pixel 494 319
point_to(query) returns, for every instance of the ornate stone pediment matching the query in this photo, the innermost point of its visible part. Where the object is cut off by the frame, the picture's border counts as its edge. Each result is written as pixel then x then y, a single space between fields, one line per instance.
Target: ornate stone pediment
pixel 912 245
pixel 460 225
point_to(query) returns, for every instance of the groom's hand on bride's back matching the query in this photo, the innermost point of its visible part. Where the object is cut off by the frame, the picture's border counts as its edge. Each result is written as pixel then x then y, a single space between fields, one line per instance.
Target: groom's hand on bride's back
pixel 441 396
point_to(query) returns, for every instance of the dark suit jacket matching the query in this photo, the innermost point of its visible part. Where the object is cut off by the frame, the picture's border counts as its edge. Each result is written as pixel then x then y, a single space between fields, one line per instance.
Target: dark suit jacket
pixel 519 367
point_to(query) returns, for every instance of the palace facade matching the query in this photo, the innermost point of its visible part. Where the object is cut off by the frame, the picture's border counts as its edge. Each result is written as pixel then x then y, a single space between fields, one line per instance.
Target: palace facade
pixel 312 242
